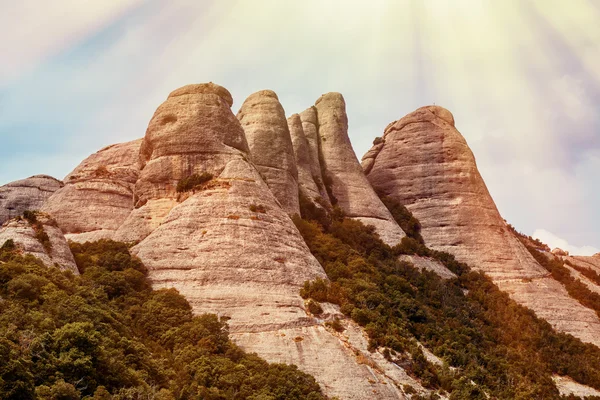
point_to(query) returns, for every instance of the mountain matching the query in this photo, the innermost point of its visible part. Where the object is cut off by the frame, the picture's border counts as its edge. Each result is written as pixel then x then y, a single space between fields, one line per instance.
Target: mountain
pixel 211 201
pixel 423 162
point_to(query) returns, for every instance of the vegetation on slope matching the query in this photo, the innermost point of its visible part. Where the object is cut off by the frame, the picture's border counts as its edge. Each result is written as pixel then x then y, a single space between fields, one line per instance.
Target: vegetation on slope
pixel 107 335
pixel 499 348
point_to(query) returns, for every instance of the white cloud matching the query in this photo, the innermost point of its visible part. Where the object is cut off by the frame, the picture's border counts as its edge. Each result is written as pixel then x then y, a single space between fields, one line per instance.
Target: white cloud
pixel 554 241
pixel 34 30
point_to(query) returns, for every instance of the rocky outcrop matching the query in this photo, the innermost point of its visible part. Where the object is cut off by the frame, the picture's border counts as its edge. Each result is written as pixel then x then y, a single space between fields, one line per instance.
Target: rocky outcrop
pixel 344 174
pixel 98 194
pixel 310 124
pixel 26 194
pixel 305 163
pixel 423 162
pixel 559 252
pixel 192 132
pixel 39 236
pixel 270 144
pixel 428 264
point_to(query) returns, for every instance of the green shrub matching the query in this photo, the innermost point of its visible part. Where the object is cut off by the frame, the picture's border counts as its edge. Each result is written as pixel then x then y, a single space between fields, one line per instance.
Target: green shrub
pixel 314 307
pixel 336 325
pixel 193 181
pixel 30 216
pixel 409 224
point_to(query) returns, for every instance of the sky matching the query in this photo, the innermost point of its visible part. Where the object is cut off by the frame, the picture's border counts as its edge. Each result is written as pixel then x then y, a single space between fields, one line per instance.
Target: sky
pixel 522 78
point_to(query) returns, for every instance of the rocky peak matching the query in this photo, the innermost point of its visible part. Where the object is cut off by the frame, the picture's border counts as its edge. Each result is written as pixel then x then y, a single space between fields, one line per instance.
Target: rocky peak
pixel 424 163
pixel 26 194
pixel 344 174
pixel 270 144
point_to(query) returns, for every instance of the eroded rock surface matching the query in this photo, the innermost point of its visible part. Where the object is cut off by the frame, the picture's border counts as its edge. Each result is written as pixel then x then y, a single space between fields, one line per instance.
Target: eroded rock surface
pixel 423 162
pixel 349 185
pixel 26 194
pixel 270 144
pixel 41 238
pixel 310 124
pixel 98 194
pixel 304 161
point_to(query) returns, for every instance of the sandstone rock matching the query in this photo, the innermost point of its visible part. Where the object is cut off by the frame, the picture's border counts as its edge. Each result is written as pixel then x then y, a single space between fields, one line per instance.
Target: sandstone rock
pixel 309 121
pixel 26 194
pixel 428 264
pixel 270 144
pixel 98 194
pixel 349 185
pixel 192 132
pixel 559 252
pixel 426 164
pixel 28 237
pixel 567 387
pixel 304 161
pixel 226 258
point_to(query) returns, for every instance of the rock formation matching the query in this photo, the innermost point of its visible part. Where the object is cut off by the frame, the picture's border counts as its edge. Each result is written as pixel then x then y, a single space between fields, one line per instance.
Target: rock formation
pixel 423 162
pixel 98 194
pixel 559 252
pixel 270 144
pixel 309 121
pixel 305 162
pixel 344 174
pixel 26 194
pixel 41 238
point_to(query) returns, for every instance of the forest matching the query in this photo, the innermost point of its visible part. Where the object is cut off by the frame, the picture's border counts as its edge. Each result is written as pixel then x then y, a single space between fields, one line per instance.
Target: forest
pixel 107 335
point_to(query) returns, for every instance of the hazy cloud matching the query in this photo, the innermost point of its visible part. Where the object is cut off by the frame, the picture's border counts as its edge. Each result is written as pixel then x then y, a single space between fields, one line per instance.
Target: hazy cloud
pixel 554 241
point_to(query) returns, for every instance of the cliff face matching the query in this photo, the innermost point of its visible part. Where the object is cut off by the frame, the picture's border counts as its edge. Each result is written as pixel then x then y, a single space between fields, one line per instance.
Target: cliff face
pixel 26 194
pixel 423 162
pixel 344 174
pixel 270 144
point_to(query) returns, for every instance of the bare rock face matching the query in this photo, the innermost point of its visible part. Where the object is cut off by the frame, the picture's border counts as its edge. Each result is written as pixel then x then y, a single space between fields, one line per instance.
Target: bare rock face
pixel 310 124
pixel 423 162
pixel 41 238
pixel 98 194
pixel 349 185
pixel 304 161
pixel 270 144
pixel 192 132
pixel 26 194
